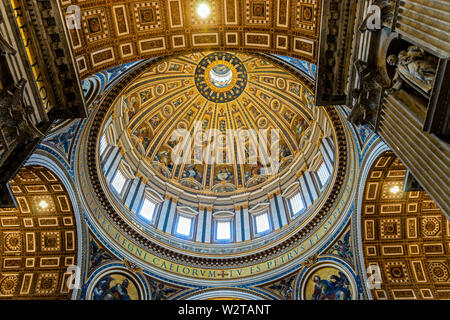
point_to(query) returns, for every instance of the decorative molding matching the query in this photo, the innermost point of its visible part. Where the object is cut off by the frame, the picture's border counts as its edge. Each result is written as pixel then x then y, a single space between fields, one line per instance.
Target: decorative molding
pixel 336 32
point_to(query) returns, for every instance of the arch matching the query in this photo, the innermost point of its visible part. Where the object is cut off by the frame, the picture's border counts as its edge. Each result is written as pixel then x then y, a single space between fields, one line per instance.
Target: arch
pixel 405 236
pixel 46 160
pixel 40 246
pixel 377 149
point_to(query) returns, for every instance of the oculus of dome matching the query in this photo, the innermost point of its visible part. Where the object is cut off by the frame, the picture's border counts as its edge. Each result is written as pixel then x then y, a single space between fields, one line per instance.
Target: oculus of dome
pixel 221 77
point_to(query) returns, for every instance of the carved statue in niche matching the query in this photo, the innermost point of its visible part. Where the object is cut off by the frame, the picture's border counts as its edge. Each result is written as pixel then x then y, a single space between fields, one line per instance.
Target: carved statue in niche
pixel 15 114
pixel 364 104
pixel 415 67
pixel 387 14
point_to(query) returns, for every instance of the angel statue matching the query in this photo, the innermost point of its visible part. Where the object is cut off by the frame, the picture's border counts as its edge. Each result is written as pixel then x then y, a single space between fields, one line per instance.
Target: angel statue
pixel 364 102
pixel 15 114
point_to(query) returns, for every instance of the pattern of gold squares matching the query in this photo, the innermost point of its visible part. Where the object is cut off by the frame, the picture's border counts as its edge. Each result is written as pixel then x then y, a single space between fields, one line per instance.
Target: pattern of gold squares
pixel 117 32
pixel 37 240
pixel 405 235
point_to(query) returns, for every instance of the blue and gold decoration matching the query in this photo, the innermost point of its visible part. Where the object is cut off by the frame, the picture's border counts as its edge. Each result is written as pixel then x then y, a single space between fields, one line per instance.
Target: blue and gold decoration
pixel 235 91
pixel 221 77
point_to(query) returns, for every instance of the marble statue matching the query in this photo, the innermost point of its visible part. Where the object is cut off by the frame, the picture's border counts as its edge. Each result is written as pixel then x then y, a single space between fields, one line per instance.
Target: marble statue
pixel 415 67
pixel 15 115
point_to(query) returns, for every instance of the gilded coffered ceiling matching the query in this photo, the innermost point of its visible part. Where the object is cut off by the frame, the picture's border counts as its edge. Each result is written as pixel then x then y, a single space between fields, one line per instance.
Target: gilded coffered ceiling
pixel 112 33
pixel 38 238
pixel 405 236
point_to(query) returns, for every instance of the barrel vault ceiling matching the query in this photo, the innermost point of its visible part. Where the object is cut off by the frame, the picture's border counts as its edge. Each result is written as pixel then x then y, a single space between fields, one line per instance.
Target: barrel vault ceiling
pixel 405 236
pixel 38 238
pixel 116 32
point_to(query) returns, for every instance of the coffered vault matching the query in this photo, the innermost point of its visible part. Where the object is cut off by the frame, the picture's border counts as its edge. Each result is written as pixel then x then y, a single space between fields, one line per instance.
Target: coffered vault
pixel 124 31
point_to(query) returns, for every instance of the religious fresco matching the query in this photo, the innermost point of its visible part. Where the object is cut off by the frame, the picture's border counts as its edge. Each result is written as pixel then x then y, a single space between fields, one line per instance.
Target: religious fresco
pixel 343 248
pixel 210 94
pixel 283 287
pixel 97 254
pixel 115 286
pixel 160 290
pixel 273 100
pixel 328 283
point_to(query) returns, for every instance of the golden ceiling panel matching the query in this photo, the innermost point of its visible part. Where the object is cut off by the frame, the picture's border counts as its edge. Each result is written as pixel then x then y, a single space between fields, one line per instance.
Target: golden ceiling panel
pixel 220 93
pixel 38 238
pixel 111 34
pixel 406 237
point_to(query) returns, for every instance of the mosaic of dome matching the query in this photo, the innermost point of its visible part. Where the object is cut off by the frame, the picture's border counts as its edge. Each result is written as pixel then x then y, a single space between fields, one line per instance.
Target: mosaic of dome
pixel 180 94
pixel 224 149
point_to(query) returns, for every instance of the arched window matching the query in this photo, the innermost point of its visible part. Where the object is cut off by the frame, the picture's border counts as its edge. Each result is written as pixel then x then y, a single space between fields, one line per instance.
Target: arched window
pixel 103 144
pixel 323 174
pixel 184 226
pixel 119 181
pixel 147 209
pixel 262 223
pixel 296 204
pixel 223 230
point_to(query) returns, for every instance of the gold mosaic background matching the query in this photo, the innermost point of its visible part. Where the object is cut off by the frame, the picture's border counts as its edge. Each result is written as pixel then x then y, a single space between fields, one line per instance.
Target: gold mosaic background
pixel 165 99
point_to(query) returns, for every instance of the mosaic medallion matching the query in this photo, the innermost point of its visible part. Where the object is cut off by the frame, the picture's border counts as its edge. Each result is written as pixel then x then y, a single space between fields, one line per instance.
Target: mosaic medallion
pixel 221 77
pixel 115 286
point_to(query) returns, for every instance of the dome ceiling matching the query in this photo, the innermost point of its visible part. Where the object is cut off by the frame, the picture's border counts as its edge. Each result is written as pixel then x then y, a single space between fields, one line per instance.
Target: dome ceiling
pixel 216 94
pixel 215 215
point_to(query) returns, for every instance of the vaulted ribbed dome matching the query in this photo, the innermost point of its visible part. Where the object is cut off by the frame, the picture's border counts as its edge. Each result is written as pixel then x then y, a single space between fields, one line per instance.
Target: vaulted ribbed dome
pixel 213 98
pixel 217 148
